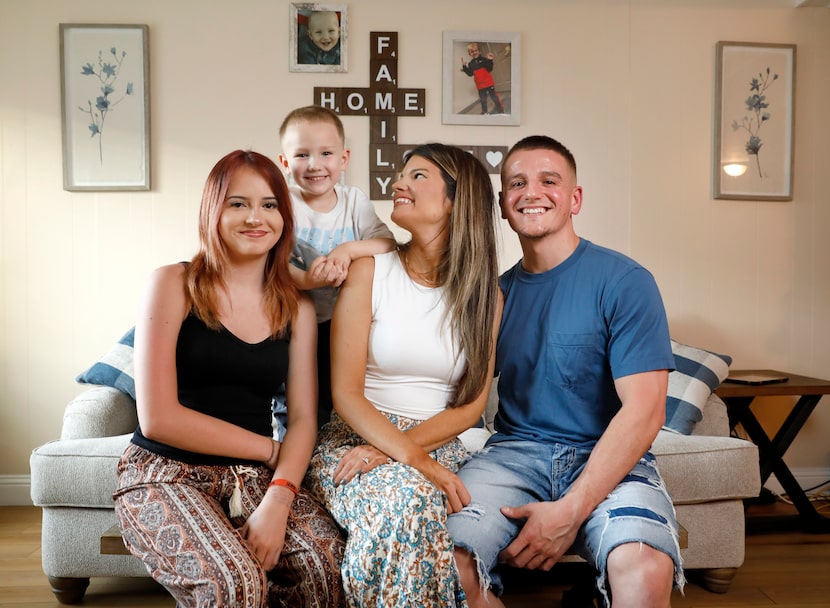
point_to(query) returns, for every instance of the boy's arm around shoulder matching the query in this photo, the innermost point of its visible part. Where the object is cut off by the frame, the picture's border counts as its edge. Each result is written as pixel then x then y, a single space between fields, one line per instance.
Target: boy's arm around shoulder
pixel 365 248
pixel 372 235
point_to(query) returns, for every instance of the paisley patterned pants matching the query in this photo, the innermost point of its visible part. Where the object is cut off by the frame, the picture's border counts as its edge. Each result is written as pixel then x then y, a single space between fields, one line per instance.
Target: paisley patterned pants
pixel 398 551
pixel 174 517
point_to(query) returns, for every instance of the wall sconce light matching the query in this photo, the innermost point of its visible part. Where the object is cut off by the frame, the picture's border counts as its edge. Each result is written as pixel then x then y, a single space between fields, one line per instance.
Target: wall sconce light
pixel 734 169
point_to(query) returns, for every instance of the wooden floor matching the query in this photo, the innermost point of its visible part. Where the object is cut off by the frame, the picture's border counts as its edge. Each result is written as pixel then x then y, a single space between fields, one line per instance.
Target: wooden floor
pixel 785 570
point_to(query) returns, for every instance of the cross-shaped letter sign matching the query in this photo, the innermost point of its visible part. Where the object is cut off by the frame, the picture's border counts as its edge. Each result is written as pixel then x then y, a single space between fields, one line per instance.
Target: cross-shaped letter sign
pixel 384 102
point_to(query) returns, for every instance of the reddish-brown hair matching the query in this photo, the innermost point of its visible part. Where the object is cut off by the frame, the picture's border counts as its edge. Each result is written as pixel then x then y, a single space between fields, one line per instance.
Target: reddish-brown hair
pixel 205 273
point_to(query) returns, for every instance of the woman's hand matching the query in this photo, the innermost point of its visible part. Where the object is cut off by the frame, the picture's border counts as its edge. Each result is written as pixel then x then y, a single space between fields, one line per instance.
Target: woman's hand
pixel 264 531
pixel 360 459
pixel 449 483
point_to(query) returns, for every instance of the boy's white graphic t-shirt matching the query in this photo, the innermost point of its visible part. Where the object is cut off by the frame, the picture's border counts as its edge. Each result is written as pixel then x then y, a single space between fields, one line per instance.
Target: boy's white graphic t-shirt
pixel 353 218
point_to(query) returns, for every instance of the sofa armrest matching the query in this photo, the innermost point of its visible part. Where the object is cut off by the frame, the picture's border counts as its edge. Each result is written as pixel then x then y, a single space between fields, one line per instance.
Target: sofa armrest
pixel 76 472
pixel 100 411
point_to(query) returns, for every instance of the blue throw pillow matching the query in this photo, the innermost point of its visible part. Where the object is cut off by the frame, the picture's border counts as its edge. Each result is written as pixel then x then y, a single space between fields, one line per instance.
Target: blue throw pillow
pixel 697 373
pixel 115 369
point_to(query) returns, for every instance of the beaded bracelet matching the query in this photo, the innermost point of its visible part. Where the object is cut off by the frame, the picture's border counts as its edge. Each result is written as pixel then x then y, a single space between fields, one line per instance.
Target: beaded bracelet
pixel 285 484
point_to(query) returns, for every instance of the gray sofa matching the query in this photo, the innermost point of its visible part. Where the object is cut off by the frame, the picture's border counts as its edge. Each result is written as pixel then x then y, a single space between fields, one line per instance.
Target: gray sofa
pixel 73 479
pixel 707 473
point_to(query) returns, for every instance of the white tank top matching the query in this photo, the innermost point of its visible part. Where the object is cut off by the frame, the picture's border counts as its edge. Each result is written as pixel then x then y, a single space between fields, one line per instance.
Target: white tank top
pixel 412 368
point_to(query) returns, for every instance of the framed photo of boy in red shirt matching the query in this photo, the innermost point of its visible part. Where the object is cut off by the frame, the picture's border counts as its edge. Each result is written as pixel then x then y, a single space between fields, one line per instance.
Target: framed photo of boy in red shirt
pixel 482 78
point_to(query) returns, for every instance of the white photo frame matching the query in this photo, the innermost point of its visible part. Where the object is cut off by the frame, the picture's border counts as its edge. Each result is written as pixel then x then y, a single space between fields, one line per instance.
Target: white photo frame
pixel 105 106
pixel 304 54
pixel 495 98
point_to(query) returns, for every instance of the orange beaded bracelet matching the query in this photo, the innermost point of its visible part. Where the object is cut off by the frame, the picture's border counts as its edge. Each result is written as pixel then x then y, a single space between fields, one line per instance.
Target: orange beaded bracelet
pixel 285 484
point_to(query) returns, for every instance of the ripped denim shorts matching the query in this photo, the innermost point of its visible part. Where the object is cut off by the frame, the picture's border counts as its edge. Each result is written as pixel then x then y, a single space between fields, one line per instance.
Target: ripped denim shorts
pixel 514 473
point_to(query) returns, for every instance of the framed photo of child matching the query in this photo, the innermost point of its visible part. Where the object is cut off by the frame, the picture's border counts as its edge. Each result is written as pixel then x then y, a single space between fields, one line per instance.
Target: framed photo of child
pixel 482 78
pixel 319 37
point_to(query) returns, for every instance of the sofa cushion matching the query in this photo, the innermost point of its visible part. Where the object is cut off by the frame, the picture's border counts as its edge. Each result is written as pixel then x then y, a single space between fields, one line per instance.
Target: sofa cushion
pixel 697 373
pixel 114 369
pixel 701 468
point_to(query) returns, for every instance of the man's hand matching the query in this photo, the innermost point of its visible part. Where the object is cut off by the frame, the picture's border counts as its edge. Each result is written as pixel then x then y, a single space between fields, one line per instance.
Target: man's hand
pixel 549 531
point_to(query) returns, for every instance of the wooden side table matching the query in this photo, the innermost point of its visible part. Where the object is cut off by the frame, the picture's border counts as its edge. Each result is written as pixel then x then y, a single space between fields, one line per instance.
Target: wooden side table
pixel 739 397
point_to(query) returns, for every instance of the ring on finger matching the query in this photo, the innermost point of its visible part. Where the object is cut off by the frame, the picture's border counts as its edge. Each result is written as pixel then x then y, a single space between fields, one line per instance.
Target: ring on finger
pixel 366 460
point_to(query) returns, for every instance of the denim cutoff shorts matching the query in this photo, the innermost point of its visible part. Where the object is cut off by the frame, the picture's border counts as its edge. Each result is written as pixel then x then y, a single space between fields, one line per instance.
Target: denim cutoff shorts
pixel 514 473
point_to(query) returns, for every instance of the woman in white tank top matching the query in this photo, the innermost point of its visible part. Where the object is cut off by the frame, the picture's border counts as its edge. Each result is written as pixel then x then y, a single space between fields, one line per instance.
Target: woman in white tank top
pixel 413 337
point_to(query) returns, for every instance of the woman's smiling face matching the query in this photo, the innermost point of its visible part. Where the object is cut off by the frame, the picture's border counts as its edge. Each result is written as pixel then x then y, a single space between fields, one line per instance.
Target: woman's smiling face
pixel 420 196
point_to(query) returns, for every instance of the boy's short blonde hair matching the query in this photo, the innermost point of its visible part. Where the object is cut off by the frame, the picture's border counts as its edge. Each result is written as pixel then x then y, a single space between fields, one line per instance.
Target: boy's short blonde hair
pixel 472 45
pixel 313 114
pixel 315 15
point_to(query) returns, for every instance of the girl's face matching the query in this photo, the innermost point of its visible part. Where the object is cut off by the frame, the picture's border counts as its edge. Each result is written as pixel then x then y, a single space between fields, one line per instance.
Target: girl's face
pixel 420 196
pixel 324 29
pixel 250 223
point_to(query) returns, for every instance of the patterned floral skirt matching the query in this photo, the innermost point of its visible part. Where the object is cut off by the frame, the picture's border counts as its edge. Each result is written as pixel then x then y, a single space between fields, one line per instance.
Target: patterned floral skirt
pixel 398 550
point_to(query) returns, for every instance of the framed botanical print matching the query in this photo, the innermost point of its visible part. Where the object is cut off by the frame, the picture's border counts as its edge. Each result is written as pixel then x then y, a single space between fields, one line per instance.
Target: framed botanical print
pixel 754 121
pixel 105 106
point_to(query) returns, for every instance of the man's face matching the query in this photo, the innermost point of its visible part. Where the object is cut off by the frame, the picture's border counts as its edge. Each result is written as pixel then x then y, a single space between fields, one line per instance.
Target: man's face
pixel 323 29
pixel 539 193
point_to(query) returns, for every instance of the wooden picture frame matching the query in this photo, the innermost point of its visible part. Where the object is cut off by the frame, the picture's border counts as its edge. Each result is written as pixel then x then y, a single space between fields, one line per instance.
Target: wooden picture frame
pixel 489 95
pixel 105 106
pixel 754 121
pixel 320 52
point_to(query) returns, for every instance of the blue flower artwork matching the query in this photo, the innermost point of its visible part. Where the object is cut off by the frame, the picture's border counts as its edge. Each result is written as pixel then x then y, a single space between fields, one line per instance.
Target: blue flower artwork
pixel 756 106
pixel 106 71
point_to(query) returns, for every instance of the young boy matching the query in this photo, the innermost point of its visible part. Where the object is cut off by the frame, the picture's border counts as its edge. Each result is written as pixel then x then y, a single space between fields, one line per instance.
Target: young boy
pixel 479 68
pixel 322 45
pixel 333 223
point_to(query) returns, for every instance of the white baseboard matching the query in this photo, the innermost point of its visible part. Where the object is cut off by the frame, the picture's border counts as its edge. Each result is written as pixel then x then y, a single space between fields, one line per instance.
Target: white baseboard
pixel 806 477
pixel 15 490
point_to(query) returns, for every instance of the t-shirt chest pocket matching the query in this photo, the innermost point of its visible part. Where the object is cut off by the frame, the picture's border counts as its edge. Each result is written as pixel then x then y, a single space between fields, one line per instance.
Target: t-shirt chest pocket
pixel 570 356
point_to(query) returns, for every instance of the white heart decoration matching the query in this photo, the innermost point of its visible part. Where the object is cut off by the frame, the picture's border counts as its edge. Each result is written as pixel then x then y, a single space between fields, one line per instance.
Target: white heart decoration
pixel 494 158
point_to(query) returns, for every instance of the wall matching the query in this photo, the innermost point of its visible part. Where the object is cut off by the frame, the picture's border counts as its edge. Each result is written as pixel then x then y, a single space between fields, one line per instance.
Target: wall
pixel 628 85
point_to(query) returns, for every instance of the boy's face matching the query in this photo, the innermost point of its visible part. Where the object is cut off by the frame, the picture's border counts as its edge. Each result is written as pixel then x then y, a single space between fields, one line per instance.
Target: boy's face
pixel 314 154
pixel 473 51
pixel 323 29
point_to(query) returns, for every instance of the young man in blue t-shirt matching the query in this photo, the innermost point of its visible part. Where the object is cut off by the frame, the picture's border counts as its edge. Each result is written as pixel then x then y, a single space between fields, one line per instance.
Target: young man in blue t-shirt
pixel 583 357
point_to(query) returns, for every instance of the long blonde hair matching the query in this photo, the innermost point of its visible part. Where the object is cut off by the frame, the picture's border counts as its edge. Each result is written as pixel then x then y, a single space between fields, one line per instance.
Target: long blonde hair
pixel 467 270
pixel 204 275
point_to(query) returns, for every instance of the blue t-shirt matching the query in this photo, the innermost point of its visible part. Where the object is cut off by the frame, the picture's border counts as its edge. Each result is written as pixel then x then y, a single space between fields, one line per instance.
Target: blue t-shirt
pixel 565 335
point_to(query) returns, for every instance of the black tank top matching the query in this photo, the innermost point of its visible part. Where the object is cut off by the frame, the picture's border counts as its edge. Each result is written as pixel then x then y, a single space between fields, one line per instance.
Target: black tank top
pixel 220 375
